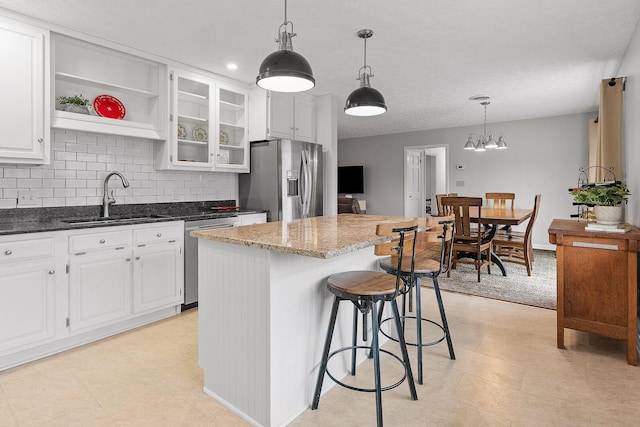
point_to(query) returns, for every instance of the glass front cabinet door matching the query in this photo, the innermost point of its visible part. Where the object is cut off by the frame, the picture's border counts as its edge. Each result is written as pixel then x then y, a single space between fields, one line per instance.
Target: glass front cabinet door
pixel 232 143
pixel 192 120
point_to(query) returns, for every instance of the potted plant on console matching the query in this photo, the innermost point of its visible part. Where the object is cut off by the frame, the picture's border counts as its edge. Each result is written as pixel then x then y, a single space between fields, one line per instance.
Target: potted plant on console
pixel 74 104
pixel 606 199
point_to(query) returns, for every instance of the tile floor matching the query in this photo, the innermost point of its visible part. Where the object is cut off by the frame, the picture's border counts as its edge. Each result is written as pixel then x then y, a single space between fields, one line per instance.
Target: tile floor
pixel 508 372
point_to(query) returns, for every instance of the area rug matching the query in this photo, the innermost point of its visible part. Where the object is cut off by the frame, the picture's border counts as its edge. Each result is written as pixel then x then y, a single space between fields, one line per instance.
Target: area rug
pixel 538 290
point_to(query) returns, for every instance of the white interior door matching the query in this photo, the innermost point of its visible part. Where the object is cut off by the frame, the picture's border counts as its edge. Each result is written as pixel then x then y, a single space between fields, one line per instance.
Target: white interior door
pixel 412 184
pixel 424 179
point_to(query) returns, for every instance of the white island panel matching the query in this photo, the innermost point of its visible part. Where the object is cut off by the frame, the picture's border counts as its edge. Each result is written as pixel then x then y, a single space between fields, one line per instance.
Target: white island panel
pixel 263 316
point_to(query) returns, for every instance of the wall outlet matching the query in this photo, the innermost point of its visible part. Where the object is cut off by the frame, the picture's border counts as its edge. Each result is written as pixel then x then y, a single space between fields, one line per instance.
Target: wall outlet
pixel 459 183
pixel 25 198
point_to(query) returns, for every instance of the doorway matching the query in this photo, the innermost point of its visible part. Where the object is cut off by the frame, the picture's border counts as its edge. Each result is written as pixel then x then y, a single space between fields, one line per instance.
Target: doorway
pixel 425 175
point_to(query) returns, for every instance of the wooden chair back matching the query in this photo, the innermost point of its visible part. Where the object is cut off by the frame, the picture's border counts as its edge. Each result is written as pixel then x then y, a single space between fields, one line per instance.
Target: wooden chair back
pixel 461 207
pixel 532 219
pixel 441 234
pixel 500 200
pixel 403 248
pixel 439 197
pixel 348 205
pixel 390 248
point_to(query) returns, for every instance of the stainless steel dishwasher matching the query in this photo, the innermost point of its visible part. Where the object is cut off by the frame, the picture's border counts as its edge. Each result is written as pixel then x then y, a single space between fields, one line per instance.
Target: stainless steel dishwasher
pixel 191 255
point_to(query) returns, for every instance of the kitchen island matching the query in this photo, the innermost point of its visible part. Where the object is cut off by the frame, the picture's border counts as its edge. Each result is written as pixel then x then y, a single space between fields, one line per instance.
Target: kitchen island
pixel 264 308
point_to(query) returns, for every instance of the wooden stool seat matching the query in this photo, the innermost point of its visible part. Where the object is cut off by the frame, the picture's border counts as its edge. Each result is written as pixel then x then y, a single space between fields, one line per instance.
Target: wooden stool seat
pixel 363 283
pixel 425 264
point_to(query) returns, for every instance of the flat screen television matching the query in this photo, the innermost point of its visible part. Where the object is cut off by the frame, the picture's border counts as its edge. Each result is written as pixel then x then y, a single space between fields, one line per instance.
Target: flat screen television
pixel 351 179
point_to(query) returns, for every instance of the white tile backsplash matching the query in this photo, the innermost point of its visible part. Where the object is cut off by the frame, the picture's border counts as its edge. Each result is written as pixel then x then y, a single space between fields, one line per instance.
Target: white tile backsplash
pixel 80 161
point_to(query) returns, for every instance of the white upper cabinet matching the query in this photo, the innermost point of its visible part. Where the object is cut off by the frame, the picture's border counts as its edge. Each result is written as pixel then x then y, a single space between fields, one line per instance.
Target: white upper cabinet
pixel 281 115
pixel 24 84
pixel 207 126
pixel 86 69
pixel 232 144
pixel 191 123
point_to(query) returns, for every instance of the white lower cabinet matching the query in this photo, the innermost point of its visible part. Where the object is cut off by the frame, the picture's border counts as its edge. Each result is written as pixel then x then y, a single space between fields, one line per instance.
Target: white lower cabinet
pixel 158 269
pixel 26 305
pixel 118 278
pixel 27 292
pixel 99 288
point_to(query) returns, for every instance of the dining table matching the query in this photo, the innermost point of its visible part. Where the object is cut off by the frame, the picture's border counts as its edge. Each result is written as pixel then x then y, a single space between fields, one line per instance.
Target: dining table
pixel 494 217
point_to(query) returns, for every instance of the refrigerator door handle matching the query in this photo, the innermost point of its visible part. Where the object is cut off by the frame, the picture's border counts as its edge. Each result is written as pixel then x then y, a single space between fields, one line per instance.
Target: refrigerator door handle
pixel 306 184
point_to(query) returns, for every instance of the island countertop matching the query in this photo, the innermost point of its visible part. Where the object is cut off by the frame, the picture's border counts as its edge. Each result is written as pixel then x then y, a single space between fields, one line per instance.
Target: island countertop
pixel 318 237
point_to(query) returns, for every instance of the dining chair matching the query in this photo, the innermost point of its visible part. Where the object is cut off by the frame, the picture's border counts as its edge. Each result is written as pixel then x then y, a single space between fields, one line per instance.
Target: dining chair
pixel 433 257
pixel 439 197
pixel 469 240
pixel 516 247
pixel 348 205
pixel 500 201
pixel 366 289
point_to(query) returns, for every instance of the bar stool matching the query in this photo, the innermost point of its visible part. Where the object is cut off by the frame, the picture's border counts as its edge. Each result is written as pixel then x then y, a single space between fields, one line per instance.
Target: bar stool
pixel 432 259
pixel 365 289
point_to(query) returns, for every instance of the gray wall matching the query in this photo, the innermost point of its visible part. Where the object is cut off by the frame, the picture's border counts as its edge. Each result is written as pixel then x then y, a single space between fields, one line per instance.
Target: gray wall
pixel 543 157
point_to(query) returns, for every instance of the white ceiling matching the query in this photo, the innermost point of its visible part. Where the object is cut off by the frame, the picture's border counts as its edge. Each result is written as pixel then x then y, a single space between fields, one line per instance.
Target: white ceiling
pixel 535 58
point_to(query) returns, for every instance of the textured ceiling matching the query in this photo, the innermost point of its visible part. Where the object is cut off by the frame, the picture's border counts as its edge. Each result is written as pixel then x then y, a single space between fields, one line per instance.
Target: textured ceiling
pixel 535 58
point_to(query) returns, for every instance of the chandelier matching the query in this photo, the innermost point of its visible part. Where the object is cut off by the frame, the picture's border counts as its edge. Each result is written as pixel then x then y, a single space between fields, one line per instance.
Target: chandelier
pixel 485 141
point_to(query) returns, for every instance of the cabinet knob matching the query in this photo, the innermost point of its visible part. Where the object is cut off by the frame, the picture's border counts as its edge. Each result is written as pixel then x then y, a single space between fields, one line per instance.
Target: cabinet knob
pixel 40 140
pixel 102 241
pixel 127 259
pixel 137 258
pixel 159 235
pixel 52 272
pixel 8 252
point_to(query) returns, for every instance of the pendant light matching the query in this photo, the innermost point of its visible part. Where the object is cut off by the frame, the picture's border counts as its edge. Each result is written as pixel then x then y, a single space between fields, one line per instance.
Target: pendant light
pixel 285 70
pixel 365 101
pixel 484 141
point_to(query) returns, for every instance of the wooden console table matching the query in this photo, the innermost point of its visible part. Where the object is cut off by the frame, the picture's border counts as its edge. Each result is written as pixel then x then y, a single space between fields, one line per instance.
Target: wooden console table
pixel 597 281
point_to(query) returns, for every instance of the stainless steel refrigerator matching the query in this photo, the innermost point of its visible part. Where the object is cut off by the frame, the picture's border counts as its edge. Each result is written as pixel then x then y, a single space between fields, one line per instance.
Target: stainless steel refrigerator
pixel 285 179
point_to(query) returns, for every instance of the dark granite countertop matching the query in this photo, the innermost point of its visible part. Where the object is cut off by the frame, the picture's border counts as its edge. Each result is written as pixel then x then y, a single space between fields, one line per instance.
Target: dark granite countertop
pixel 36 220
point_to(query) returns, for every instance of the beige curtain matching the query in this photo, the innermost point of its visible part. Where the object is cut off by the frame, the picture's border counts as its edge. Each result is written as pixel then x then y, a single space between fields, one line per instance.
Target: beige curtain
pixel 605 133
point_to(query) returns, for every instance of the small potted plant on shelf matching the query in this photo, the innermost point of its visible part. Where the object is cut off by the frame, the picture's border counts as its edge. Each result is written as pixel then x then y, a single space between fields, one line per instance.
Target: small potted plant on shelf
pixel 606 199
pixel 74 104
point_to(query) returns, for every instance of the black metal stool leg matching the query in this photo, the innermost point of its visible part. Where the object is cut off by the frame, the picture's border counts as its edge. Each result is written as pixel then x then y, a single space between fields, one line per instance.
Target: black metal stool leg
pixel 354 340
pixel 325 353
pixel 419 326
pixel 375 349
pixel 443 316
pixel 403 348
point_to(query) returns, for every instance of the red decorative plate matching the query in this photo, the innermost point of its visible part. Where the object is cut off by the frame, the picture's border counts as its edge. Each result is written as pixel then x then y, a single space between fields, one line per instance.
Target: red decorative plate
pixel 108 106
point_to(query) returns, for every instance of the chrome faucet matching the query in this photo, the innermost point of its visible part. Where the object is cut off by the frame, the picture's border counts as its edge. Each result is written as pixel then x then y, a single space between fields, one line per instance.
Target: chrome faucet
pixel 110 199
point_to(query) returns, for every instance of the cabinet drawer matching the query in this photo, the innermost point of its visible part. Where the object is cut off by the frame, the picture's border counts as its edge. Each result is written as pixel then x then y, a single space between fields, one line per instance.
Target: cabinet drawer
pixel 26 249
pixel 88 242
pixel 157 234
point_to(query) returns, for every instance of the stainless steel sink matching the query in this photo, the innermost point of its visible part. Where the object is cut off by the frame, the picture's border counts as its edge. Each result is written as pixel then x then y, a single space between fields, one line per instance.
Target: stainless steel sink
pixel 111 219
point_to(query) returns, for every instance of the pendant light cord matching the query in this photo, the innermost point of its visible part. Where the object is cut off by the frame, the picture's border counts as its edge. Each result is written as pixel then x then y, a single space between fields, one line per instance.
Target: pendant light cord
pixel 485 122
pixel 365 52
pixel 285 12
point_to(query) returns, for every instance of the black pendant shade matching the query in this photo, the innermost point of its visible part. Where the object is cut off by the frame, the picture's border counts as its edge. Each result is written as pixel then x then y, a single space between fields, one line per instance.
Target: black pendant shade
pixel 285 71
pixel 365 101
